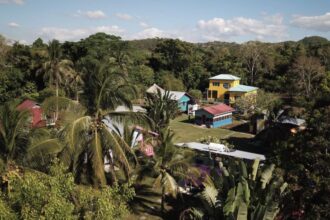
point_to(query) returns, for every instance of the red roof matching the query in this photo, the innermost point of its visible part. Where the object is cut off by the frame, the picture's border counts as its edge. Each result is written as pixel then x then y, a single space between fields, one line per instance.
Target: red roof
pixel 35 110
pixel 27 105
pixel 218 109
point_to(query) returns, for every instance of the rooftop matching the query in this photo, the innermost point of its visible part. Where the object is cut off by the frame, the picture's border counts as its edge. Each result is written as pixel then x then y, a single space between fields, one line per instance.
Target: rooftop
pixel 154 88
pixel 225 77
pixel 27 104
pixel 135 108
pixel 218 109
pixel 222 151
pixel 176 95
pixel 242 88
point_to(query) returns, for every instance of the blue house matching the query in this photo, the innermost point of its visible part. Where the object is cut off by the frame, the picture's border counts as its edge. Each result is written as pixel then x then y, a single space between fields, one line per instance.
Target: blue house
pixel 214 116
pixel 182 98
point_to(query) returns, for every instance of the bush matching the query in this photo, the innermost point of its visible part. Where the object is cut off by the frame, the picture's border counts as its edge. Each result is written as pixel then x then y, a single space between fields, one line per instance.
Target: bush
pixel 36 195
pixel 6 213
pixel 197 94
pixel 107 203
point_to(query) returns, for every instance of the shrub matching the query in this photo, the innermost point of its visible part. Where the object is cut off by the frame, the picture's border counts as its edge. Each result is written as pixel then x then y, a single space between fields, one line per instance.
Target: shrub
pixel 6 213
pixel 107 203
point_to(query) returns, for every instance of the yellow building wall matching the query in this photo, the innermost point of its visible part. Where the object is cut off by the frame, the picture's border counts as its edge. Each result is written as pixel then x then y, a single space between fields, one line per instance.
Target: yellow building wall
pixel 220 89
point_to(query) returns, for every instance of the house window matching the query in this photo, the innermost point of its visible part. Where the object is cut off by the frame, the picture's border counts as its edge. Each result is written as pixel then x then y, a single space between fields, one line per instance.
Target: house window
pixel 226 85
pixel 216 84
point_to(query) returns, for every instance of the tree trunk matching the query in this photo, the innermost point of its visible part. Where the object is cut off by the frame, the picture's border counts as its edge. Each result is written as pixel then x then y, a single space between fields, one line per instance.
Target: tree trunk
pixel 162 206
pixel 56 113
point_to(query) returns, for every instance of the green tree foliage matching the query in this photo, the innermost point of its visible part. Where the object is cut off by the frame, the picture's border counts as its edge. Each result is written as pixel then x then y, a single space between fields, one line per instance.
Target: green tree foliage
pixel 161 109
pixel 238 194
pixel 35 195
pixel 262 102
pixel 171 83
pixel 171 165
pixel 195 93
pixel 305 158
pixel 14 128
pixel 308 74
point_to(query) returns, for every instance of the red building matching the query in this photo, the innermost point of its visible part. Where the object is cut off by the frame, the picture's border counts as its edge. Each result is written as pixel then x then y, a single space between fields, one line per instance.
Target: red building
pixel 35 110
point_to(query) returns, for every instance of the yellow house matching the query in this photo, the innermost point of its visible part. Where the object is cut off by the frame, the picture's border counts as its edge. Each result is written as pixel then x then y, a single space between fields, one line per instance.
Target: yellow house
pixel 227 88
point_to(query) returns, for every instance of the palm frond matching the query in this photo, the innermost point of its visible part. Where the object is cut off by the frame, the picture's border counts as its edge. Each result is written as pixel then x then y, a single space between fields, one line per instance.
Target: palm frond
pixel 114 142
pixel 96 157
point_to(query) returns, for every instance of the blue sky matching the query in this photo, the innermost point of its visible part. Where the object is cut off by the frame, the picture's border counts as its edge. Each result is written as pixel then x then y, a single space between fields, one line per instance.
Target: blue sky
pixel 190 20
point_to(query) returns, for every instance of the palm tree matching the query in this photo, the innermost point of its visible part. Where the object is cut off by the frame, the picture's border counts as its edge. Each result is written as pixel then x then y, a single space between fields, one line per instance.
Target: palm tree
pixel 161 108
pixel 85 134
pixel 172 163
pixel 14 129
pixel 55 69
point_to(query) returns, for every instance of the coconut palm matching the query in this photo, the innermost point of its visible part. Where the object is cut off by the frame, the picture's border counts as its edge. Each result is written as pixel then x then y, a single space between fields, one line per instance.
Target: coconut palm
pixel 56 70
pixel 86 135
pixel 14 129
pixel 172 164
pixel 161 108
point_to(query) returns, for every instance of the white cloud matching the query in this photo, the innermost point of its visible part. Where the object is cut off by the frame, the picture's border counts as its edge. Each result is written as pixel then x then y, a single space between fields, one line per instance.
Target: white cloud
pixel 224 29
pixel 17 2
pixel 64 34
pixel 150 33
pixel 318 23
pixel 23 42
pixel 123 16
pixel 97 14
pixel 143 24
pixel 13 25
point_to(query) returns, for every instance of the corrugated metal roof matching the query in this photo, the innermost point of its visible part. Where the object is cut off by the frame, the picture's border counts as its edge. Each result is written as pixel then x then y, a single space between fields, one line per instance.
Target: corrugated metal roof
pixel 242 88
pixel 234 153
pixel 292 120
pixel 217 109
pixel 176 95
pixel 27 104
pixel 135 108
pixel 154 88
pixel 225 77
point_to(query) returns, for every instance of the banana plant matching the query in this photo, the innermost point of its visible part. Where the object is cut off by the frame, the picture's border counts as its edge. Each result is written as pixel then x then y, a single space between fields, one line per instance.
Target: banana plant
pixel 256 195
pixel 242 195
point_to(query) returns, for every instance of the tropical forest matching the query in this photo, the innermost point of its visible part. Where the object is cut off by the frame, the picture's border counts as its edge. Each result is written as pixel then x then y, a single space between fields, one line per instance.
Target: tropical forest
pixel 109 127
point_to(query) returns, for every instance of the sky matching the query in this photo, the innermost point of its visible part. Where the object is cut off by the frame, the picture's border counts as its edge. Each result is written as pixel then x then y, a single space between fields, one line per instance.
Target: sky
pixel 189 20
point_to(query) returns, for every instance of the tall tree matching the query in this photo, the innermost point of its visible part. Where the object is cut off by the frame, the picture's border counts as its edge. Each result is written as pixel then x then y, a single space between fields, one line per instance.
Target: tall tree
pixel 161 109
pixel 172 164
pixel 87 136
pixel 56 69
pixel 251 56
pixel 308 73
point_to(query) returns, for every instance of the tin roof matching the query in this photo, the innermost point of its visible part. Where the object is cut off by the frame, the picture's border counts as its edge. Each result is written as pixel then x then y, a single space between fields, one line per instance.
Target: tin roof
pixel 154 88
pixel 27 104
pixel 222 151
pixel 225 77
pixel 218 109
pixel 242 88
pixel 176 95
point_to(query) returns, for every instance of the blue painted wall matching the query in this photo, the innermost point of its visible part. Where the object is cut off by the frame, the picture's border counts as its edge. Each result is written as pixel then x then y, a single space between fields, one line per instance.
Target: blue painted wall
pixel 183 103
pixel 226 121
pixel 199 115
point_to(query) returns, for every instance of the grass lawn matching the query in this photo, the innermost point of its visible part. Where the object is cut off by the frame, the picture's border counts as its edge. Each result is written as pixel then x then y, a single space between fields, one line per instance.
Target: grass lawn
pixel 186 131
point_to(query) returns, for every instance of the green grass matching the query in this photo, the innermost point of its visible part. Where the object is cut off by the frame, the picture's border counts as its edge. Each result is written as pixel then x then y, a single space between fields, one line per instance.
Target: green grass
pixel 185 131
